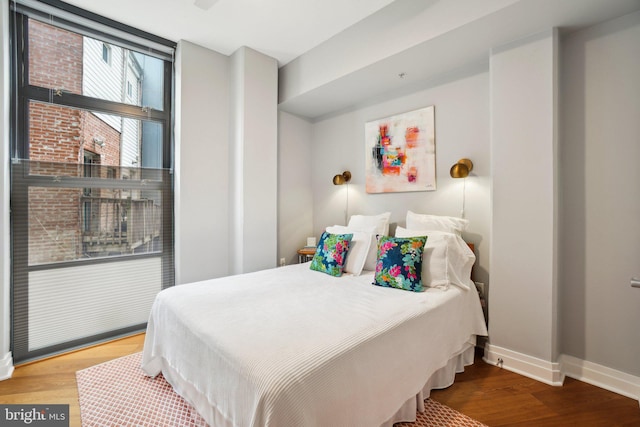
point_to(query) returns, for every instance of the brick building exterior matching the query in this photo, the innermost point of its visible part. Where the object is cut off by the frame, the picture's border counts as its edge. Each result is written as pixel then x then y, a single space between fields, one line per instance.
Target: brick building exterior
pixel 59 137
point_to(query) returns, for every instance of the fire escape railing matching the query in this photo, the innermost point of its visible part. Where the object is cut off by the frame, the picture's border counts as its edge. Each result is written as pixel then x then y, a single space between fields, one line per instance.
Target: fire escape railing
pixel 119 226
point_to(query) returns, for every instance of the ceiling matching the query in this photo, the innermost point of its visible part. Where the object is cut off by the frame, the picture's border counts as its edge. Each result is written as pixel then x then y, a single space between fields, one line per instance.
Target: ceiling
pixel 452 39
pixel 282 29
pixel 336 55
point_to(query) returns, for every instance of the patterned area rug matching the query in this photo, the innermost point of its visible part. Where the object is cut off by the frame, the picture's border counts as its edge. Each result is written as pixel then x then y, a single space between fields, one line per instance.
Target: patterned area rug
pixel 117 393
pixel 438 415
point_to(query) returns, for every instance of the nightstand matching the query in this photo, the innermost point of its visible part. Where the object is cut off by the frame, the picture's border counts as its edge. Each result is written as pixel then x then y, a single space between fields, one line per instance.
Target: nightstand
pixel 306 254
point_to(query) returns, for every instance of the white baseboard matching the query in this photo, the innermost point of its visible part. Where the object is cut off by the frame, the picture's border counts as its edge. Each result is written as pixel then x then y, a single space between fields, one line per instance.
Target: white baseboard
pixel 554 373
pixel 532 367
pixel 6 367
pixel 601 376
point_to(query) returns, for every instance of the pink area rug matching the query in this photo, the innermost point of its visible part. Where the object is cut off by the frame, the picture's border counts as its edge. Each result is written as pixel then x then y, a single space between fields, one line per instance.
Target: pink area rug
pixel 117 393
pixel 438 415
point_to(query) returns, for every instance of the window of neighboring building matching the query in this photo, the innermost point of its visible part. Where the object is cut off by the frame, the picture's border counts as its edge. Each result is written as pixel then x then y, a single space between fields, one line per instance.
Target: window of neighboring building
pixel 106 53
pixel 92 201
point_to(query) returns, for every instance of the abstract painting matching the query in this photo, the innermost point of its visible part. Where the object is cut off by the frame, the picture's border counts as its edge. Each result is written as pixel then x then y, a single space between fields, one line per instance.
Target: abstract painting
pixel 400 152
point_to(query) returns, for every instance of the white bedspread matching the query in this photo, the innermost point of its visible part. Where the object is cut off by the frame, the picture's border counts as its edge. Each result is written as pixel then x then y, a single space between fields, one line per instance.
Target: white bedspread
pixel 294 347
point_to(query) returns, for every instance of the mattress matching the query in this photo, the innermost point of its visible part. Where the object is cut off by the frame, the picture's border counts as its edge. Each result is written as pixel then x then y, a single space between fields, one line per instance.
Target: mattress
pixel 294 347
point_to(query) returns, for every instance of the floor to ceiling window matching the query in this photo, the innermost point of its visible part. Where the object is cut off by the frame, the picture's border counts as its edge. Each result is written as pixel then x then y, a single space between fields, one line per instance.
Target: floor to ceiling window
pixel 91 177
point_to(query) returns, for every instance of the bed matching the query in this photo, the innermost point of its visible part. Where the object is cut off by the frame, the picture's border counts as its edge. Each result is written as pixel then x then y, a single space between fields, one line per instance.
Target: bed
pixel 291 346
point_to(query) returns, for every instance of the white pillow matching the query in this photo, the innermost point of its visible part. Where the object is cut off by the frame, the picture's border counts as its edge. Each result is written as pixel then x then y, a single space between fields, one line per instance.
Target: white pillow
pixel 358 248
pixel 447 259
pixel 449 224
pixel 381 222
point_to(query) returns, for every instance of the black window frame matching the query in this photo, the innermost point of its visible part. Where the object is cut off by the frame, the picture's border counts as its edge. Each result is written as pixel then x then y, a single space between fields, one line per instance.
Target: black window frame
pixel 22 94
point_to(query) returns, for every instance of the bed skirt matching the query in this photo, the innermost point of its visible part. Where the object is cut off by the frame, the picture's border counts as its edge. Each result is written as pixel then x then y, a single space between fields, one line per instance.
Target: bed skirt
pixel 442 378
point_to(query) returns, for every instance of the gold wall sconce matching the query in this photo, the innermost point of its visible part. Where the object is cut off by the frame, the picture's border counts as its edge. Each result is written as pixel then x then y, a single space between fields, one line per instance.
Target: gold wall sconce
pixel 461 169
pixel 342 179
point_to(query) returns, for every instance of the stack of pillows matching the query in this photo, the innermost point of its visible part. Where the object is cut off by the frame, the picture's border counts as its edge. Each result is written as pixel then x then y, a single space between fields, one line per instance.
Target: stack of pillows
pixel 429 252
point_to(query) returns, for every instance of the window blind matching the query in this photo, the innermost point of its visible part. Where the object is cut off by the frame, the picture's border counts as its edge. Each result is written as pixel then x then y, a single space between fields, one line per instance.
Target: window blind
pixel 92 184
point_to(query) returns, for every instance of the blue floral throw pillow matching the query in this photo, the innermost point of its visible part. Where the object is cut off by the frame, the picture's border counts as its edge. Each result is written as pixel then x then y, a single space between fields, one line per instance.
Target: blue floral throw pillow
pixel 399 263
pixel 331 253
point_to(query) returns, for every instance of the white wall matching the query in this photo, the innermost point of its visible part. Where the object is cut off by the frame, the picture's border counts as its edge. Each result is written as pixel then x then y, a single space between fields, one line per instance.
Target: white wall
pixel 201 163
pixel 295 200
pixel 226 162
pixel 565 231
pixel 600 156
pixel 462 130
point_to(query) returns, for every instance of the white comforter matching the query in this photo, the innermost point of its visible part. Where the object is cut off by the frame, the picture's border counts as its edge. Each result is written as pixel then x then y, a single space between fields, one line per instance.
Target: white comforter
pixel 295 347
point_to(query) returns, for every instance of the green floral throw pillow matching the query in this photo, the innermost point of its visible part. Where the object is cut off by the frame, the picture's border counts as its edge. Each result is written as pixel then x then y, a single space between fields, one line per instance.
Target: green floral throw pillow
pixel 331 253
pixel 399 263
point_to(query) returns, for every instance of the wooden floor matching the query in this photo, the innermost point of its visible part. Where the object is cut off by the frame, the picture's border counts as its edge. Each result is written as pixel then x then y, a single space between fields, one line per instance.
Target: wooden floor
pixel 53 381
pixel 486 393
pixel 498 397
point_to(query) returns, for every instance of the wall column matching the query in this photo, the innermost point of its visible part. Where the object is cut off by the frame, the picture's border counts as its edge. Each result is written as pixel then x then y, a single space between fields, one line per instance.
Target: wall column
pixel 523 305
pixel 253 184
pixel 201 151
